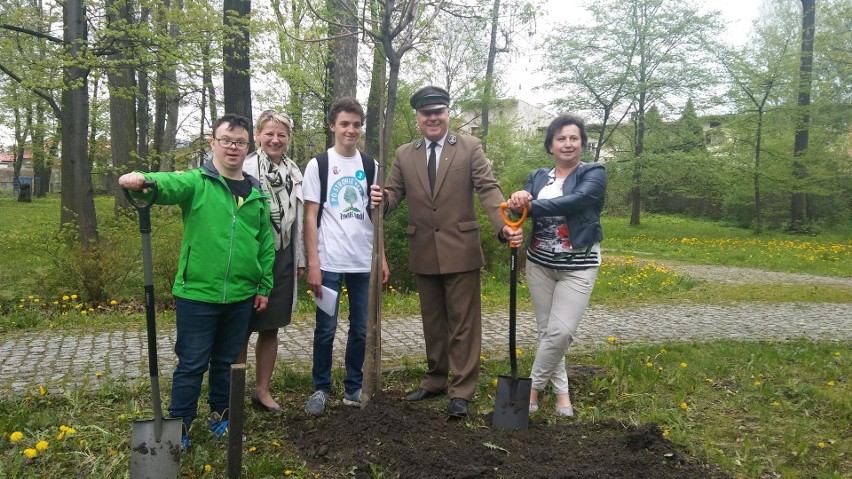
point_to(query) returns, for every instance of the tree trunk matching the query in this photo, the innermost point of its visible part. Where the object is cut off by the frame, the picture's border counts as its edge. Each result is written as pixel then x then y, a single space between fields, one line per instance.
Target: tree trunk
pixel 799 201
pixel 143 113
pixel 344 64
pixel 488 94
pixel 237 82
pixel 122 95
pixel 758 220
pixel 41 168
pixel 78 204
pixel 372 134
pixel 207 80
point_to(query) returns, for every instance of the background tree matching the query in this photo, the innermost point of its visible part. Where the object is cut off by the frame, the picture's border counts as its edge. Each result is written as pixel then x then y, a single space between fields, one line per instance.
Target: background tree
pixel 799 217
pixel 237 74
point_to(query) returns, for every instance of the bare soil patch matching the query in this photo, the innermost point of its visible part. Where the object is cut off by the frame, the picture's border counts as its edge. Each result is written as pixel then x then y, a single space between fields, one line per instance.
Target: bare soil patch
pixel 404 440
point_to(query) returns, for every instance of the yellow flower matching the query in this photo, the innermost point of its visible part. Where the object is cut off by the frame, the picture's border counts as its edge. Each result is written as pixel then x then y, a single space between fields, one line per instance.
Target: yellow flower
pixel 683 365
pixel 276 443
pixel 208 468
pixel 287 472
pixel 41 391
pixel 837 354
pixel 482 358
pixel 494 382
pixel 776 403
pixel 65 297
pixel 67 429
pixel 16 436
pixel 821 444
pixel 73 296
pixel 252 449
pixel 660 369
pixel 665 433
pixel 757 383
pixel 122 417
pixel 30 453
pixel 830 384
pixel 30 297
pixel 684 406
pixel 649 364
pixel 663 350
pixel 113 302
pixel 98 374
pixel 41 445
pixel 611 339
pixel 60 436
pixel 518 351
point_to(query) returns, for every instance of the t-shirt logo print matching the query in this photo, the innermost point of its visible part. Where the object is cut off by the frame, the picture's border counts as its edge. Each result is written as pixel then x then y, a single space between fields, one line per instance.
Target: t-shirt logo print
pixel 346 196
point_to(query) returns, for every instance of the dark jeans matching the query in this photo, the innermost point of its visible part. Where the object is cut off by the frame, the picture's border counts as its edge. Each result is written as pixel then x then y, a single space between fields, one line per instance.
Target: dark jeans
pixel 357 285
pixel 209 335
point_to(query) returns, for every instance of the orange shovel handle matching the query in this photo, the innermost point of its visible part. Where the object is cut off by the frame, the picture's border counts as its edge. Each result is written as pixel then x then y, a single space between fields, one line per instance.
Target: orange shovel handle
pixel 514 224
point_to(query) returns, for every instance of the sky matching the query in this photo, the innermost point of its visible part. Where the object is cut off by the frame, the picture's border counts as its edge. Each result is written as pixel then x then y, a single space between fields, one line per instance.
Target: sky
pixel 523 78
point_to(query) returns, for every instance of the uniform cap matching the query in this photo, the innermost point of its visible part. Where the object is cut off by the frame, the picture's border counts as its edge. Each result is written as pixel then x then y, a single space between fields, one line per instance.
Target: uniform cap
pixel 430 98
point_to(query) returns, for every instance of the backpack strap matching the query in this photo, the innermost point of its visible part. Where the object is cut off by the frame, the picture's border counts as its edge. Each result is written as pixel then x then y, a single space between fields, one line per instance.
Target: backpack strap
pixel 367 163
pixel 322 164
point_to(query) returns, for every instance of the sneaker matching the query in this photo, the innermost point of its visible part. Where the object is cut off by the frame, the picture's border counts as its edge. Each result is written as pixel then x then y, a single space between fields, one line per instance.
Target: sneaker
pixel 353 399
pixel 316 403
pixel 185 443
pixel 219 424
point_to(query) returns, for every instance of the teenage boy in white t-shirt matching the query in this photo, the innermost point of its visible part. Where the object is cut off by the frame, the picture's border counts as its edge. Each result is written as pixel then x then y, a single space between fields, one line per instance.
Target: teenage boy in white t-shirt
pixel 340 250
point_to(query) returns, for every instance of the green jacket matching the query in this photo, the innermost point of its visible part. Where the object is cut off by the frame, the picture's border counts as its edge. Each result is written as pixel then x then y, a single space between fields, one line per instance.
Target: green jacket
pixel 227 252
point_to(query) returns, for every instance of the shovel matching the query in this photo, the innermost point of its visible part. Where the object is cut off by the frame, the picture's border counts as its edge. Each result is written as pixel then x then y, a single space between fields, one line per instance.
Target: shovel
pixel 155 444
pixel 511 410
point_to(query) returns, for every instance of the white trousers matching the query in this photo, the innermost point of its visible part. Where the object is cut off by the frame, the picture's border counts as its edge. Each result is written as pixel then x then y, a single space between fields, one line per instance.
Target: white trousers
pixel 559 299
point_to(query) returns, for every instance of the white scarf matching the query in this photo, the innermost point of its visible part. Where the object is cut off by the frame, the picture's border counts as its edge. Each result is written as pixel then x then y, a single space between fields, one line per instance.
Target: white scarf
pixel 276 180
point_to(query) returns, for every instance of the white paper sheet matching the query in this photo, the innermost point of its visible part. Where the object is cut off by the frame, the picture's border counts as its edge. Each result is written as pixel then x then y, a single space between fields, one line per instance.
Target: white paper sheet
pixel 328 303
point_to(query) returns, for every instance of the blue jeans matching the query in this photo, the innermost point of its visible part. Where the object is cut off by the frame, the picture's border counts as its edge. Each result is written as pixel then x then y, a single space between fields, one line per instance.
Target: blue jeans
pixel 358 285
pixel 209 335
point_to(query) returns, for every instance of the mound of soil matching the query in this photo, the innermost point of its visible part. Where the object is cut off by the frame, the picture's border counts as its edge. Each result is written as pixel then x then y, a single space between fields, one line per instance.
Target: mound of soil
pixel 404 440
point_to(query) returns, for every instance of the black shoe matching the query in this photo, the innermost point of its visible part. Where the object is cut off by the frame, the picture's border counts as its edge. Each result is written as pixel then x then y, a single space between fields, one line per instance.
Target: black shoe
pixel 421 394
pixel 258 404
pixel 458 408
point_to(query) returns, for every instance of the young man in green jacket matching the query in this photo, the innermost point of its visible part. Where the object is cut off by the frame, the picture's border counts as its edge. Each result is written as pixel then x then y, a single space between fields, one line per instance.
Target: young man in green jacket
pixel 225 268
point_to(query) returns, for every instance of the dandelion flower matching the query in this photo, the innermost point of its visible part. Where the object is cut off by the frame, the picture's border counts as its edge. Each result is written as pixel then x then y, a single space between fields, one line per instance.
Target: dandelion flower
pixel 683 365
pixel 276 443
pixel 98 374
pixel 122 417
pixel 60 436
pixel 16 436
pixel 663 350
pixel 649 364
pixel 757 383
pixel 41 391
pixel 41 445
pixel 665 433
pixel 73 296
pixel 660 369
pixel 287 472
pixel 821 444
pixel 830 384
pixel 252 449
pixel 684 406
pixel 776 403
pixel 518 351
pixel 837 354
pixel 208 468
pixel 494 382
pixel 482 358
pixel 611 339
pixel 30 452
pixel 65 297
pixel 113 302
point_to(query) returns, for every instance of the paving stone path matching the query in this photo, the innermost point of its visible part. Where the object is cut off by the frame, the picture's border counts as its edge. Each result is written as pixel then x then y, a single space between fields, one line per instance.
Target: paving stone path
pixel 61 358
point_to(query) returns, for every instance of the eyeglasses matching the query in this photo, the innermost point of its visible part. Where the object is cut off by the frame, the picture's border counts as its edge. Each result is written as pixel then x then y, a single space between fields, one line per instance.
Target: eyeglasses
pixel 224 143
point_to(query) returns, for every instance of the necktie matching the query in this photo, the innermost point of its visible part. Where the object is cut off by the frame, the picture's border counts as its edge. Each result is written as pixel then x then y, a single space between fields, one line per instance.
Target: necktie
pixel 431 165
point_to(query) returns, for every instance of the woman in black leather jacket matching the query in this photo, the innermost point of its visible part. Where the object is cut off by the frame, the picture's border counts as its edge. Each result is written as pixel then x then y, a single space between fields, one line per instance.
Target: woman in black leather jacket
pixel 563 253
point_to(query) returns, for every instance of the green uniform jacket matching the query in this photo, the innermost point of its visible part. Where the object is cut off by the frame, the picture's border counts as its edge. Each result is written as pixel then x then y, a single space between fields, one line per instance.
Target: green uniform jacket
pixel 227 252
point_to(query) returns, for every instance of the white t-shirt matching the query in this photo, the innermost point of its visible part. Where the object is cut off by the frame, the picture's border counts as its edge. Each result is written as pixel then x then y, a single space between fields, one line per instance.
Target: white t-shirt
pixel 346 233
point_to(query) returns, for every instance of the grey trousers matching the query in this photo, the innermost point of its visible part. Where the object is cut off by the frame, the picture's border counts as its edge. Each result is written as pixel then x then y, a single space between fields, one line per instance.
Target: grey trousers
pixel 559 299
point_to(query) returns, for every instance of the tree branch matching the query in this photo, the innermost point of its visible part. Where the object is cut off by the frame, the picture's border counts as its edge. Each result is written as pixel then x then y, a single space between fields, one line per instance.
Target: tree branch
pixel 33 33
pixel 49 99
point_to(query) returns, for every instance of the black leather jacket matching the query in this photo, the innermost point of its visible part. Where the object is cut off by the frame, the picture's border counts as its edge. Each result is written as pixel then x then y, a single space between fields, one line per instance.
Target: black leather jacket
pixel 582 200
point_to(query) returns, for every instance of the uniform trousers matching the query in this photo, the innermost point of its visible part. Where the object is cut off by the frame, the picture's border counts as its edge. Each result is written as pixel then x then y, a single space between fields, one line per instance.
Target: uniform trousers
pixel 452 328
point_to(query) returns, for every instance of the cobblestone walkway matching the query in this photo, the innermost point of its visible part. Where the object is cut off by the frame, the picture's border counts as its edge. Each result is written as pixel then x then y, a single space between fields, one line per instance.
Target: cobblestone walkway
pixel 56 358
